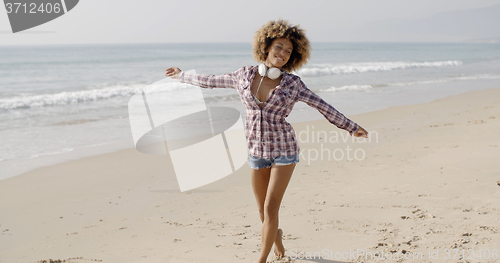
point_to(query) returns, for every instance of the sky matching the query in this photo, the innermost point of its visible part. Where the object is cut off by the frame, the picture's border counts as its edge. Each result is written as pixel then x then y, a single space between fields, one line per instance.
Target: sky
pixel 159 21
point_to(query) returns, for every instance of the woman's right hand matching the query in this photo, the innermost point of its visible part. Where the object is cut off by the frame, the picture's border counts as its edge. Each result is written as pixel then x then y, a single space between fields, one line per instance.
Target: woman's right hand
pixel 173 72
pixel 361 133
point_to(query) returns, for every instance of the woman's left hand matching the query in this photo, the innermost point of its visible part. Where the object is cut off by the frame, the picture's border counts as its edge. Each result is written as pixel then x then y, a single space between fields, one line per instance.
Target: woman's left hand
pixel 173 72
pixel 361 133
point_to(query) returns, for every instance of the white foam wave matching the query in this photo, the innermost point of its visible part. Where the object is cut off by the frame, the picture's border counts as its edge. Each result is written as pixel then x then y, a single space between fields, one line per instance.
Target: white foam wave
pixel 423 82
pixel 435 81
pixel 349 68
pixel 478 77
pixel 350 87
pixel 65 150
pixel 81 96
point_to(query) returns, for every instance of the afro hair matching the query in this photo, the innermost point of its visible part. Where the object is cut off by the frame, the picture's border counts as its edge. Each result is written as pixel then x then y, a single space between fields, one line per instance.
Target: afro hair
pixel 282 29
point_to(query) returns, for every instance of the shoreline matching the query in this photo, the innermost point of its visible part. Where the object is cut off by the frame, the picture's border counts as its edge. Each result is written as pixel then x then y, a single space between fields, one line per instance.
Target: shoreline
pixel 15 167
pixel 427 182
pixel 19 166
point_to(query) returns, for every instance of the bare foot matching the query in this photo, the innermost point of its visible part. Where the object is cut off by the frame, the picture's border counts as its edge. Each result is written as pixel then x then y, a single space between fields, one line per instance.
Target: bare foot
pixel 279 249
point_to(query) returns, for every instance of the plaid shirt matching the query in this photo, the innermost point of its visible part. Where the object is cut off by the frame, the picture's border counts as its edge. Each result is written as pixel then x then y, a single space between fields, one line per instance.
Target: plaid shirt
pixel 267 132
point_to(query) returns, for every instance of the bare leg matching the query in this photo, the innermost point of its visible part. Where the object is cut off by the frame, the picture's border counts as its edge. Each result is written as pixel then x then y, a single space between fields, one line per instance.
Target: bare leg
pixel 260 182
pixel 279 248
pixel 278 181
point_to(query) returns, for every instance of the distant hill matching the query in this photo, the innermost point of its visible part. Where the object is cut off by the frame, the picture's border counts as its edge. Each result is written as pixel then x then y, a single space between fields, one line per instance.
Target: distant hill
pixel 484 40
pixel 453 26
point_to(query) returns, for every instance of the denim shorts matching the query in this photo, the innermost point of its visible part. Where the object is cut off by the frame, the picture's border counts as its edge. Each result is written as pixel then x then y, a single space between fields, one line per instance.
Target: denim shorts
pixel 258 162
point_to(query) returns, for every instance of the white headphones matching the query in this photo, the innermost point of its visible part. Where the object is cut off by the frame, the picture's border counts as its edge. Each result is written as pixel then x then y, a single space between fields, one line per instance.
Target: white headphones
pixel 272 73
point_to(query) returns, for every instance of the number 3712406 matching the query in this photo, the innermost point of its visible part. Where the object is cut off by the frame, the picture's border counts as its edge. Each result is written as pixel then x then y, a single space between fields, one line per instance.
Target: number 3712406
pixel 33 8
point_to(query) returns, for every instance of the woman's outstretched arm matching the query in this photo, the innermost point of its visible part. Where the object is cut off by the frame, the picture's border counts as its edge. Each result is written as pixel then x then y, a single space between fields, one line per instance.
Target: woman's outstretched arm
pixel 331 114
pixel 205 80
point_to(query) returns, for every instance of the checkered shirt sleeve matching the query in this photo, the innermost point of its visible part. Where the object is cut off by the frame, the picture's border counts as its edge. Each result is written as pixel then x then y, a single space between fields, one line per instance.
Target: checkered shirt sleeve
pixel 331 114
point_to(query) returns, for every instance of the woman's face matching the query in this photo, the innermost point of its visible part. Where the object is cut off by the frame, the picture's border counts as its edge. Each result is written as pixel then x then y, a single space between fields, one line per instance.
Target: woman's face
pixel 279 52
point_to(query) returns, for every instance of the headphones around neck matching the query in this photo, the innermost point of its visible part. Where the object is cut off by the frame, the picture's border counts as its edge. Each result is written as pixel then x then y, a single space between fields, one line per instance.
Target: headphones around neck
pixel 272 73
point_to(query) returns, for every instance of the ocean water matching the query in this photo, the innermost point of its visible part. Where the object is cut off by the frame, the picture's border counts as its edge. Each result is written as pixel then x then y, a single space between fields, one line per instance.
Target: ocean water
pixel 57 101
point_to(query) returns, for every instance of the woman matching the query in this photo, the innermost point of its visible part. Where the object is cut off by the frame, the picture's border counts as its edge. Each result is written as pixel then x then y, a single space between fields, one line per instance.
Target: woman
pixel 268 99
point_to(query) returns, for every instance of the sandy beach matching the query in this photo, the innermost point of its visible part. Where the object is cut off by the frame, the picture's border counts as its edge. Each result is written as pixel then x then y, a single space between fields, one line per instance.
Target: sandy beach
pixel 426 181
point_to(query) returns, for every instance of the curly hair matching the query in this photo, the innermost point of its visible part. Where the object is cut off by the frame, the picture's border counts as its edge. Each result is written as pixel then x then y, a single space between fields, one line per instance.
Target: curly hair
pixel 282 29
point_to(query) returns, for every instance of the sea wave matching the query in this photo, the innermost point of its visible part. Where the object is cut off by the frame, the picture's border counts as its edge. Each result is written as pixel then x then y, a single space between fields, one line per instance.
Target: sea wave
pixel 435 81
pixel 365 87
pixel 65 150
pixel 361 67
pixel 82 96
pixel 350 87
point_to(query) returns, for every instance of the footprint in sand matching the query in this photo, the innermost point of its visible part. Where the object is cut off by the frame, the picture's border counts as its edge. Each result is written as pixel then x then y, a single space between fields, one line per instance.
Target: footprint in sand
pixel 285 259
pixel 71 260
